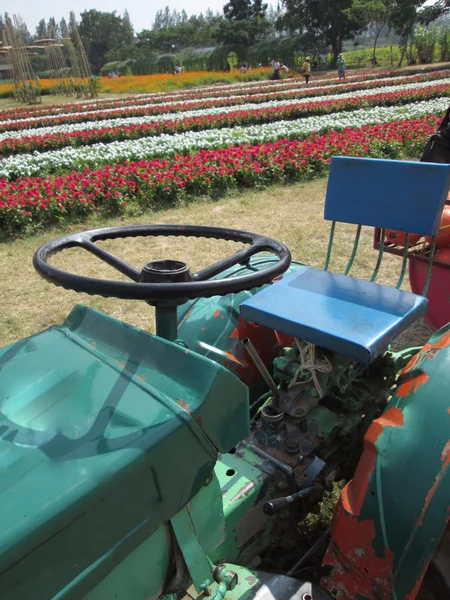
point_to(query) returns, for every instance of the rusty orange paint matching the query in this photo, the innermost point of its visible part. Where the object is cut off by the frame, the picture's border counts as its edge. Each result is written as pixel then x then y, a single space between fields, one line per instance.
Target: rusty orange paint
pixel 357 571
pixel 142 377
pixel 413 593
pixel 445 458
pixel 354 493
pixel 233 358
pixel 428 351
pixel 202 329
pixel 185 406
pixel 216 313
pixel 412 385
pixel 448 411
pixel 188 314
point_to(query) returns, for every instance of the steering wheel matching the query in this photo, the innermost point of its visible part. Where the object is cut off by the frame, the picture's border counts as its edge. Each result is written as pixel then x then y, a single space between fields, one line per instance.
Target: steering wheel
pixel 163 281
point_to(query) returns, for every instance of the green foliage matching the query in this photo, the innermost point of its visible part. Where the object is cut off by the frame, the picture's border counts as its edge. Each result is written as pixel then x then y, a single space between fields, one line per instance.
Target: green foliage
pixel 444 43
pixel 425 39
pixel 102 32
pixel 326 19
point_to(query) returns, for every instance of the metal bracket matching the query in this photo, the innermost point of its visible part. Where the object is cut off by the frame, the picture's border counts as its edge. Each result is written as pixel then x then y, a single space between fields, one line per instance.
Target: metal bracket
pixel 198 565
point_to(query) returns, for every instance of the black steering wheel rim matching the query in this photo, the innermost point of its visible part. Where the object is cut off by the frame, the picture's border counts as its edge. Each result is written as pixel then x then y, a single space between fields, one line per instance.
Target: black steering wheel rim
pixel 200 284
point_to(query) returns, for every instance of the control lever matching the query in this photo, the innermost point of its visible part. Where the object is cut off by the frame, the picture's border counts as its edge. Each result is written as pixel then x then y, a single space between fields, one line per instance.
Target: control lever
pixel 263 371
pixel 273 506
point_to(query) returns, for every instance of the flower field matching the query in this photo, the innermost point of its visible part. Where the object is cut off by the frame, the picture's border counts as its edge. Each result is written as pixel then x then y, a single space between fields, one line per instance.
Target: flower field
pixel 119 155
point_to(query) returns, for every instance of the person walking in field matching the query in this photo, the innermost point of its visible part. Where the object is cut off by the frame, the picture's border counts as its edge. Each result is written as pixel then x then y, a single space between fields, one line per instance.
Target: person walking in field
pixel 307 69
pixel 341 66
pixel 276 68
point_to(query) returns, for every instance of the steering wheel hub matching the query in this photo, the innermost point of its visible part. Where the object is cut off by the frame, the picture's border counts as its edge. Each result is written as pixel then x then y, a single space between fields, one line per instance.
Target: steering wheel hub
pixel 165 271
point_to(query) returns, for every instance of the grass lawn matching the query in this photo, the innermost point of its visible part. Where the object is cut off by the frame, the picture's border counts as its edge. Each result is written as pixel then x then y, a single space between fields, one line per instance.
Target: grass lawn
pixel 291 214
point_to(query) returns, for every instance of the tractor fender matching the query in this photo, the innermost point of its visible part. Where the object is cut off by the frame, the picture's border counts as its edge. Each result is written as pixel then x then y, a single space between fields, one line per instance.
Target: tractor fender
pixel 392 514
pixel 214 327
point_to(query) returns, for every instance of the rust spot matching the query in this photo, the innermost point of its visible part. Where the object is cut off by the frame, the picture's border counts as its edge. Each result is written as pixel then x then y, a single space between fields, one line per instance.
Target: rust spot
pixel 202 329
pixel 354 493
pixel 186 351
pixel 142 377
pixel 429 351
pixel 216 313
pixel 413 593
pixel 357 570
pixel 412 385
pixel 251 580
pixel 243 492
pixel 188 314
pixel 185 406
pixel 93 344
pixel 121 364
pixel 233 358
pixel 198 420
pixel 445 458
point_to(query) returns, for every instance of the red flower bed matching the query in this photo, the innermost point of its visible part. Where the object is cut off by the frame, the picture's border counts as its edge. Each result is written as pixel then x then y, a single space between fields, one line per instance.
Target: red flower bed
pixel 254 98
pixel 31 202
pixel 332 86
pixel 56 141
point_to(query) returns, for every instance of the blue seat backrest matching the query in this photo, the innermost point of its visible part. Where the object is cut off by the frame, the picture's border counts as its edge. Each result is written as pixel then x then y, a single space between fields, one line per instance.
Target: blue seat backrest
pixel 393 194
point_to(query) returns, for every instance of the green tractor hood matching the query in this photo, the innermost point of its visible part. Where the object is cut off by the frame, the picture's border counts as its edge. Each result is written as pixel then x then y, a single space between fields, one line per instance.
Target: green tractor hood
pixel 105 432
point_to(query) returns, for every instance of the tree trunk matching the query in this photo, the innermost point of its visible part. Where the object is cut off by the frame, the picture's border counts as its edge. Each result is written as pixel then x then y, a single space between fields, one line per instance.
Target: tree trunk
pixel 404 47
pixel 377 35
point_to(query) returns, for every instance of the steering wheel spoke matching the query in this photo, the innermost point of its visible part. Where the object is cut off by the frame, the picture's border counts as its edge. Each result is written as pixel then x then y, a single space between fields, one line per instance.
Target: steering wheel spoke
pixel 240 257
pixel 169 284
pixel 110 259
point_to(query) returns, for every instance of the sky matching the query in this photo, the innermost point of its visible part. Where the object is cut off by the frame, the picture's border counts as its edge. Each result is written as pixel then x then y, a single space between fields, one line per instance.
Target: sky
pixel 141 12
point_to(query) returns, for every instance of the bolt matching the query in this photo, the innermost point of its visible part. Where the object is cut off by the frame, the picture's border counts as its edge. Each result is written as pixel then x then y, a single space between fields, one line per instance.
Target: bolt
pixel 282 485
pixel 324 581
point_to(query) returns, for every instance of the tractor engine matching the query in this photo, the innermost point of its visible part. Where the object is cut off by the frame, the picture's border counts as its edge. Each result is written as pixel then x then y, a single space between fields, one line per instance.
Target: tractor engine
pixel 306 433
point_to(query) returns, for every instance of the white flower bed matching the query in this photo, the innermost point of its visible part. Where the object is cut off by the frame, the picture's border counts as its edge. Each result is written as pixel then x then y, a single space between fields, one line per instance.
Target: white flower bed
pixel 126 121
pixel 167 145
pixel 298 90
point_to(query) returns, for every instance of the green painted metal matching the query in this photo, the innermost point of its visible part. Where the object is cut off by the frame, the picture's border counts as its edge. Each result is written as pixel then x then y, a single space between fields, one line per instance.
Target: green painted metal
pixel 214 328
pixel 166 322
pixel 97 439
pixel 380 255
pixel 354 250
pixel 140 576
pixel 397 503
pixel 330 246
pixel 242 476
pixel 430 266
pixel 196 561
pixel 404 263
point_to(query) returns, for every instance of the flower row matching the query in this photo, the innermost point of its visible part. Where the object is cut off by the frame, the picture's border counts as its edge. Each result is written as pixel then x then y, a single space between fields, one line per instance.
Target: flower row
pixel 247 87
pixel 164 145
pixel 31 202
pixel 183 105
pixel 85 134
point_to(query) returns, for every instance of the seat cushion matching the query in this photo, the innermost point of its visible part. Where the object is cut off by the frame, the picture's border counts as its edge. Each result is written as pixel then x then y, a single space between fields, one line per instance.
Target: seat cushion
pixel 352 317
pixel 93 416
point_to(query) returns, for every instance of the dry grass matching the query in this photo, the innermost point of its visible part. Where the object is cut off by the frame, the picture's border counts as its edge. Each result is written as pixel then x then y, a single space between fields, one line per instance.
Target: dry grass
pixel 291 214
pixel 52 100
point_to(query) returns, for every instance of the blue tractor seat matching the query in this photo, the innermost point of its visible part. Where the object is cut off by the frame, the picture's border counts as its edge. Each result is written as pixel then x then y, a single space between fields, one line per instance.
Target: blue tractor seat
pixel 353 317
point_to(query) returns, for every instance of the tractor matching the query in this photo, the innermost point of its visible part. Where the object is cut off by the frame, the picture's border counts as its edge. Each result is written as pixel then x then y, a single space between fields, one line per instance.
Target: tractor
pixel 195 462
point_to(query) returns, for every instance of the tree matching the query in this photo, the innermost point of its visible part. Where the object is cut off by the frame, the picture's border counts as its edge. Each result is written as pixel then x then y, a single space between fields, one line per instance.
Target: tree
pixel 102 32
pixel 375 13
pixel 41 30
pixel 244 10
pixel 326 19
pixel 244 23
